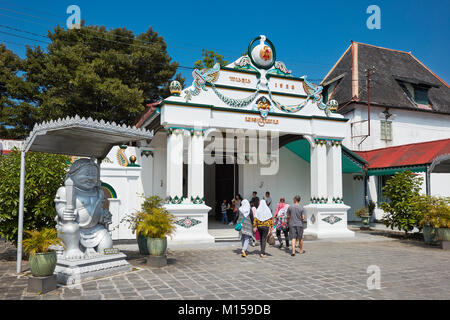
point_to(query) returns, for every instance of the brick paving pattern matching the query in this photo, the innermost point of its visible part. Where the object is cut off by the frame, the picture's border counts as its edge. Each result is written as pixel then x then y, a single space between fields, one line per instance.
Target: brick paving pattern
pixel 328 270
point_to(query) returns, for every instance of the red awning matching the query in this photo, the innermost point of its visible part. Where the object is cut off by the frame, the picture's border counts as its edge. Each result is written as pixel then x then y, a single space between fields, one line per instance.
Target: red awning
pixel 406 155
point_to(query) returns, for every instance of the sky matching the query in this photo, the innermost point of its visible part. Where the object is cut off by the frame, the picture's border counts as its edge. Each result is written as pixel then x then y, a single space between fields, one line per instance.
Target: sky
pixel 309 36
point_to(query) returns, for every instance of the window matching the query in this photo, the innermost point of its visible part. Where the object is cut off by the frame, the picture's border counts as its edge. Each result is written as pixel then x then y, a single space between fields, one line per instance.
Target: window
pixel 386 130
pixel 421 95
pixel 381 183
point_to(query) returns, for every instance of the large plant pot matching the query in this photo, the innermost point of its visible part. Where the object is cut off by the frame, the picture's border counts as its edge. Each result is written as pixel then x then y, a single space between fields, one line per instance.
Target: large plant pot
pixel 142 245
pixel 157 246
pixel 42 264
pixel 443 234
pixel 430 235
pixel 365 221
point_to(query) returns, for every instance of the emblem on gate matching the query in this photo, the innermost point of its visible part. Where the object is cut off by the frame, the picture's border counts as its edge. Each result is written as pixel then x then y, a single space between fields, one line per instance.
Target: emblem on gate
pixel 188 222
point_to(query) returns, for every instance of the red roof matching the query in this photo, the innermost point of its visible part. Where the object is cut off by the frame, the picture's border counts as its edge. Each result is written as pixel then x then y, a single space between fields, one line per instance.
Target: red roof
pixel 406 155
pixel 151 107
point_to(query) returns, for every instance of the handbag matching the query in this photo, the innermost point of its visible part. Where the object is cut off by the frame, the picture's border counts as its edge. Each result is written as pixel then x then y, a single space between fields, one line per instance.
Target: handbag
pixel 238 226
pixel 270 238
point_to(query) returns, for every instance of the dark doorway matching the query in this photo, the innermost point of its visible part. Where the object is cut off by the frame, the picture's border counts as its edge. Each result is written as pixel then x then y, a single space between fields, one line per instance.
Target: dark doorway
pixel 226 184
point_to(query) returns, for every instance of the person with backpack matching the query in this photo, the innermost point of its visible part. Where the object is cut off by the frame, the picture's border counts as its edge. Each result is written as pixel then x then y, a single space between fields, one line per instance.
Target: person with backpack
pixel 245 225
pixel 280 222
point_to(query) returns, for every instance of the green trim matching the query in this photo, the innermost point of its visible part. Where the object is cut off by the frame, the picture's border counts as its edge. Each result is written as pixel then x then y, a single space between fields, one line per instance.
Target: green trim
pixel 393 170
pixel 284 77
pixel 354 155
pixel 235 69
pixel 110 189
pixel 252 111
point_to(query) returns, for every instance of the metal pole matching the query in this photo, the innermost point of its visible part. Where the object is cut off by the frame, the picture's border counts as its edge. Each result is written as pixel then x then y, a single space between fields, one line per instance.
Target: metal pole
pixel 21 203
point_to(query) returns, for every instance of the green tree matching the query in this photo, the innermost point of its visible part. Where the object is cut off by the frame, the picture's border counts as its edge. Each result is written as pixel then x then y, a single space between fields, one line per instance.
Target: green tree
pixel 44 174
pixel 209 59
pixel 402 209
pixel 92 72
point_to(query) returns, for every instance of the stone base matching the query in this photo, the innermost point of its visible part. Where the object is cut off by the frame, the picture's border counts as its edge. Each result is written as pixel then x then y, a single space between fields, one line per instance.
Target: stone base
pixel 76 271
pixel 157 261
pixel 327 221
pixel 445 245
pixel 42 284
pixel 192 223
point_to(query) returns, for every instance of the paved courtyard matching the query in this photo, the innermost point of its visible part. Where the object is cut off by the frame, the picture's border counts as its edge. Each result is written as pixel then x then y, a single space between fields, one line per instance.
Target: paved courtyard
pixel 328 270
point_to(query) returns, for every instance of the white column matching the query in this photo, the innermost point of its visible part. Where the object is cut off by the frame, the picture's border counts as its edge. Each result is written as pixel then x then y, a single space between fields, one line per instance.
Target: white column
pixel 318 166
pixel 334 160
pixel 195 167
pixel 175 164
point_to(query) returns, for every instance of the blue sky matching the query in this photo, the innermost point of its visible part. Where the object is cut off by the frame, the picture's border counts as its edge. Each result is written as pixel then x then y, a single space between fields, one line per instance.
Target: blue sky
pixel 309 36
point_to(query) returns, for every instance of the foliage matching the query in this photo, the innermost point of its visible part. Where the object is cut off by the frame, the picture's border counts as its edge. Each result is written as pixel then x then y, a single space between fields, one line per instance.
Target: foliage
pixel 154 221
pixel 402 208
pixel 40 241
pixel 92 72
pixel 362 212
pixel 44 174
pixel 209 59
pixel 371 207
pixel 436 211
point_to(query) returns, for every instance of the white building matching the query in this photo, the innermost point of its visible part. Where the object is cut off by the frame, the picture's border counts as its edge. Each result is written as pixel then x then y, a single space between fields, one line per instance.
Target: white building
pixel 405 127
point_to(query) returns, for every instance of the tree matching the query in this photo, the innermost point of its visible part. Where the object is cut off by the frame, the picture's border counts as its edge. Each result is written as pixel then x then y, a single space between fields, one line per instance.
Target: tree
pixel 92 72
pixel 44 174
pixel 402 208
pixel 209 59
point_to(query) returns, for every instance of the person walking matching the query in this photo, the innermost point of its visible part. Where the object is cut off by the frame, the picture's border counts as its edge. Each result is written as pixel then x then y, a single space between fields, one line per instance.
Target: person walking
pixel 280 222
pixel 295 217
pixel 263 222
pixel 237 205
pixel 246 219
pixel 255 199
pixel 268 201
pixel 253 209
pixel 223 209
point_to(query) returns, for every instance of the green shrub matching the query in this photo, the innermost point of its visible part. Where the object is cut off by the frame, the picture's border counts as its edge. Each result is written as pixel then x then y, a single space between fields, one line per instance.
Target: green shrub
pixel 436 211
pixel 362 212
pixel 44 174
pixel 154 221
pixel 402 208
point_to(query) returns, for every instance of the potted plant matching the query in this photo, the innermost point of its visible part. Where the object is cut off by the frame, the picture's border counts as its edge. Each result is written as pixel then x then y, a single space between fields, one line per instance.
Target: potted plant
pixel 363 214
pixel 371 207
pixel 435 221
pixel 42 259
pixel 155 223
pixel 132 220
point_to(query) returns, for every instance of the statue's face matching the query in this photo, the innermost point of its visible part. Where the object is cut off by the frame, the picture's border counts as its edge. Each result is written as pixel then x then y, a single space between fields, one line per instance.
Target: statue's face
pixel 86 178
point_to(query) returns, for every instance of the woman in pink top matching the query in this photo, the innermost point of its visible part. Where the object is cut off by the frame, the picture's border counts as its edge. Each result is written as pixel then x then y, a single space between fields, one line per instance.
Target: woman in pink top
pixel 280 221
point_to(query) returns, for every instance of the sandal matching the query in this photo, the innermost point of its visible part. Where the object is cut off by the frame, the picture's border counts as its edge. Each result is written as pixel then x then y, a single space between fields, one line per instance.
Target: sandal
pixel 262 256
pixel 243 254
pixel 292 254
pixel 303 251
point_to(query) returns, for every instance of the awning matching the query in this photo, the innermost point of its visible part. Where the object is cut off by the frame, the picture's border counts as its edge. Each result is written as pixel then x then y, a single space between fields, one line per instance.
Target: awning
pixel 351 162
pixel 415 157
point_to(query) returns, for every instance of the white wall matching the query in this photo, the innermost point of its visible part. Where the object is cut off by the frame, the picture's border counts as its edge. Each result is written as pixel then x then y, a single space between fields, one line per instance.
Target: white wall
pixel 440 184
pixel 293 178
pixel 353 192
pixel 407 127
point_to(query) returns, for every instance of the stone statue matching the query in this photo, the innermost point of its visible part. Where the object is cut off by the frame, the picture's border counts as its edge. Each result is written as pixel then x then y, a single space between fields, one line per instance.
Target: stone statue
pixel 82 222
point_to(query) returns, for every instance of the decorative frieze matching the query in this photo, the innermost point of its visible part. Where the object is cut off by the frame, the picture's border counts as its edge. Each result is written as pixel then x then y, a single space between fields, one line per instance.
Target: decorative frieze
pixel 338 200
pixel 188 222
pixel 319 200
pixel 197 200
pixel 331 219
pixel 175 200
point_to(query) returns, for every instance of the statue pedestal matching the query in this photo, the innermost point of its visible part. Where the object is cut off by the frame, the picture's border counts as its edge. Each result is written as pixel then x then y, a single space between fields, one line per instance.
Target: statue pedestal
pixel 327 221
pixel 76 271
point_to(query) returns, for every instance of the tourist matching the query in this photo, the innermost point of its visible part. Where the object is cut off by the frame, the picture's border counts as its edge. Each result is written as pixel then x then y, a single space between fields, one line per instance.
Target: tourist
pixel 263 222
pixel 255 199
pixel 280 222
pixel 255 234
pixel 246 218
pixel 231 212
pixel 223 208
pixel 268 201
pixel 237 205
pixel 295 217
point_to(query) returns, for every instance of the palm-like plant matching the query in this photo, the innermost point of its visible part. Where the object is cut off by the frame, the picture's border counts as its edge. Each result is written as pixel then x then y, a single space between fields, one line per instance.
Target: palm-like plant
pixel 40 241
pixel 154 221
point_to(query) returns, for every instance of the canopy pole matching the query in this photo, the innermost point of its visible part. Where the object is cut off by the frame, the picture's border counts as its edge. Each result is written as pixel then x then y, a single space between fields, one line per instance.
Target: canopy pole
pixel 21 203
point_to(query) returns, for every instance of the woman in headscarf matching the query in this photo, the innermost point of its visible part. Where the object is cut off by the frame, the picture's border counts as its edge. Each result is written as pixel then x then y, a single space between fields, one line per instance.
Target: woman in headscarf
pixel 280 221
pixel 263 222
pixel 246 219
